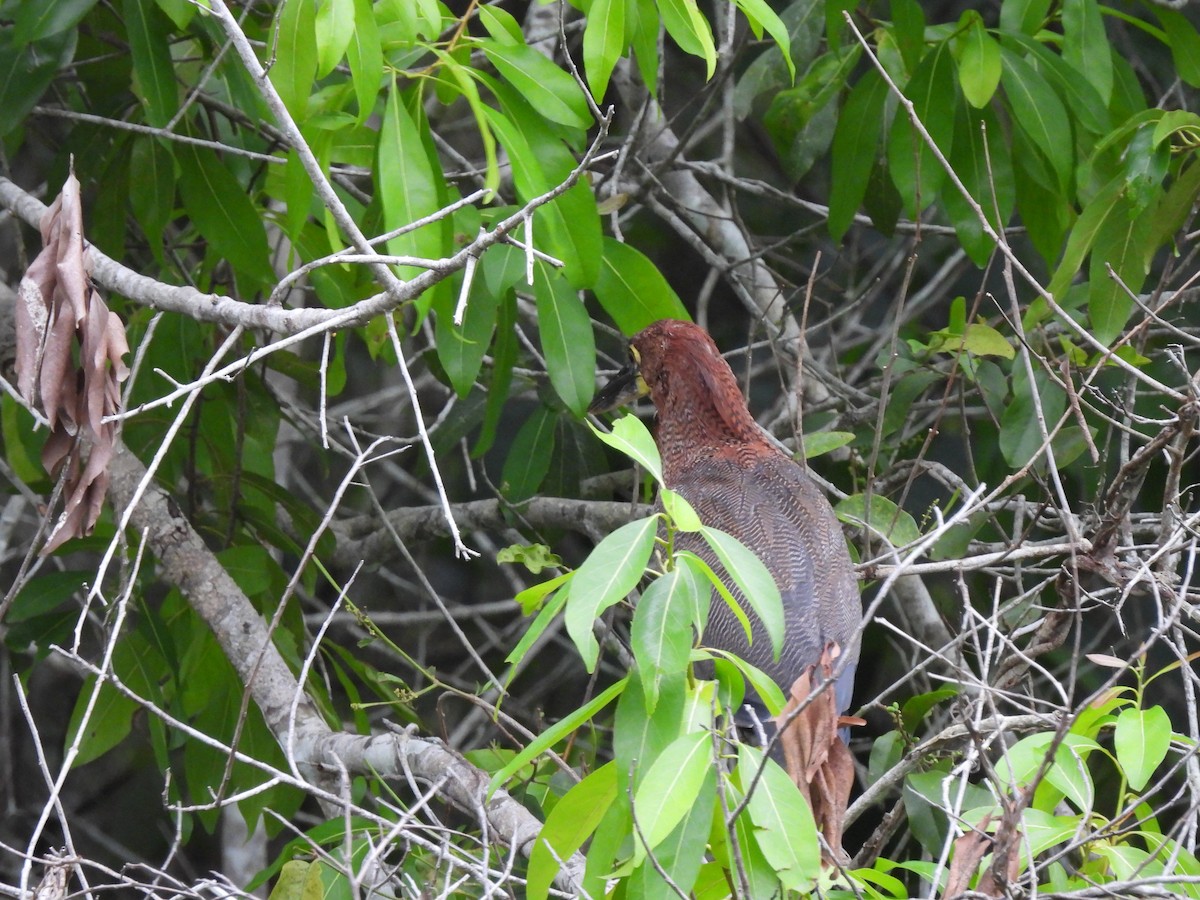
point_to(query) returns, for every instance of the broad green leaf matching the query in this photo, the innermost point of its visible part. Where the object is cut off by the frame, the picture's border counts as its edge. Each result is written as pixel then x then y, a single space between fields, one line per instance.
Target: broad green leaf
pixel 110 723
pixel 978 60
pixel 683 516
pixel 754 580
pixel 643 21
pixel 1142 739
pixel 555 733
pixel 977 339
pixel 985 169
pixel 152 193
pixel 694 568
pixel 1020 436
pixel 610 572
pixel 670 789
pixel 633 291
pixel 763 18
pixel 881 517
pixel 603 43
pixel 38 21
pixel 528 458
pixel 1039 113
pixel 501 25
pixel 1028 16
pixel 1042 830
pixel 27 70
pixel 855 149
pixel 470 92
pixel 1177 121
pixel 819 443
pixel 149 32
pixel 295 66
pixel 365 57
pixel 568 825
pixel 1091 113
pixel 1173 210
pixel 531 598
pixel 681 854
pixel 639 738
pixel 631 436
pixel 1184 41
pixel 690 30
pixel 567 340
pixel 801 120
pixel 661 634
pixel 918 176
pixel 545 87
pixel 1070 775
pixel 218 206
pixel 1083 235
pixel 1085 44
pixel 783 823
pixel 335 29
pixel 916 708
pixel 1120 243
pixel 408 180
pixel 461 348
pixel 767 690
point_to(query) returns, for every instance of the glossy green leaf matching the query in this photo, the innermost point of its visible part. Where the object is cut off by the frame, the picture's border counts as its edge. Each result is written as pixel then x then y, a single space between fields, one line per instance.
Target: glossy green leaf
pixel 153 188
pixel 1090 112
pixel 610 572
pixel 681 513
pixel 334 29
pixel 537 627
pixel 461 348
pixel 690 30
pixel 566 336
pixel 982 160
pixel 818 443
pixel 545 87
pixel 915 171
pixel 631 436
pixel 1020 436
pixel 603 43
pixel 365 58
pixel 528 458
pixel 222 212
pixel 763 18
pixel 38 21
pixel 1083 235
pixel 978 61
pixel 633 291
pixel 1028 16
pixel 572 821
pixel 1142 740
pixel 27 70
pixel 855 150
pixel 501 25
pixel 1038 111
pixel 1085 44
pixel 1184 41
pixel 661 634
pixel 638 737
pixel 1120 244
pixel 470 92
pixel 110 722
pixel 295 66
pixel 783 823
pixel 753 579
pixel 670 789
pixel 408 179
pixel 681 853
pixel 881 516
pixel 555 733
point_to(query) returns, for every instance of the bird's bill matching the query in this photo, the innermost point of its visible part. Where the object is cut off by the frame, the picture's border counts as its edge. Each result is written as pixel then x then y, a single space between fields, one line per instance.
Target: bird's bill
pixel 625 387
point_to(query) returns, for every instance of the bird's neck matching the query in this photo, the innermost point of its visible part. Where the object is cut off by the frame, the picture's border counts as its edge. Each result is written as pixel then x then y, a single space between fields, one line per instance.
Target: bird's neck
pixel 694 425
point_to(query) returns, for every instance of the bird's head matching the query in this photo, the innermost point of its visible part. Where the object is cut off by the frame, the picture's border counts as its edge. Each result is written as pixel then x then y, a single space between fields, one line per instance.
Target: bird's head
pixel 679 366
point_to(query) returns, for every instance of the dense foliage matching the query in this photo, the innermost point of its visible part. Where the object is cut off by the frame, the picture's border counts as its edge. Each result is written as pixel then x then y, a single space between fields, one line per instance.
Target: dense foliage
pixel 369 256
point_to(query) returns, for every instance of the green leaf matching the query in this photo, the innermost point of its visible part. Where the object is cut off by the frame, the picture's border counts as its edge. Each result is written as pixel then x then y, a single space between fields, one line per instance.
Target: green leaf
pixel 670 789
pixel 567 340
pixel 528 458
pixel 762 17
pixel 630 436
pixel 365 57
pixel 538 627
pixel 819 443
pixel 27 70
pixel 408 179
pixel 753 579
pixel 855 149
pixel 1083 235
pixel 610 572
pixel 603 43
pixel 545 87
pixel 1020 436
pixel 154 73
pixel 1039 113
pixel 334 29
pixel 978 60
pixel 152 193
pixel 783 823
pixel 220 209
pixel 295 66
pixel 660 634
pixel 1142 739
pixel 556 733
pixel 690 30
pixel 986 171
pixel 1085 44
pixel 568 825
pixel 918 176
pixel 681 513
pixel 1184 41
pixel 38 21
pixel 1028 16
pixel 633 291
pixel 461 349
pixel 681 854
pixel 881 517
pixel 531 598
pixel 1120 243
pixel 916 708
pixel 110 722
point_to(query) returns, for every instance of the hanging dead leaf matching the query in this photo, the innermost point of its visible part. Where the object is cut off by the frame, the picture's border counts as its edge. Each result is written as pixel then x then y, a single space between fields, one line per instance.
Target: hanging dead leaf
pixel 70 365
pixel 815 756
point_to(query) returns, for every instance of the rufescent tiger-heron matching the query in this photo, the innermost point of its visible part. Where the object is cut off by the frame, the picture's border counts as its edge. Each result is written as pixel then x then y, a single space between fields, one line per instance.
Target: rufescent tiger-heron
pixel 717 457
